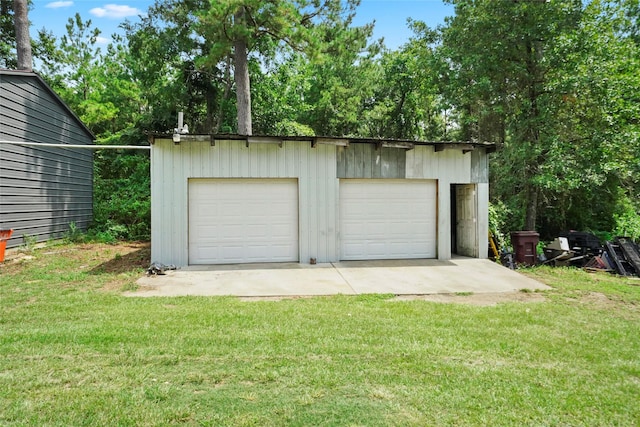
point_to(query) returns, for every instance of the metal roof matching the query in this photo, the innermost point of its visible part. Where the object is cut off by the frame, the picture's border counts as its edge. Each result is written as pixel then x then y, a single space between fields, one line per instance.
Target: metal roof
pixel 333 140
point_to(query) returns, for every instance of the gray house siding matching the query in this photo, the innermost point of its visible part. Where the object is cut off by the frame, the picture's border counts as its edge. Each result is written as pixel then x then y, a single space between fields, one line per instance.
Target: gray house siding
pixel 42 189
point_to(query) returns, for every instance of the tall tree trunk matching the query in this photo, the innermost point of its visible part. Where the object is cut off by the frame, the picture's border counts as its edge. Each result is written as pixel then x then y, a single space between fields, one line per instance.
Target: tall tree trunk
pixel 226 95
pixel 533 60
pixel 211 93
pixel 23 41
pixel 241 75
pixel 531 208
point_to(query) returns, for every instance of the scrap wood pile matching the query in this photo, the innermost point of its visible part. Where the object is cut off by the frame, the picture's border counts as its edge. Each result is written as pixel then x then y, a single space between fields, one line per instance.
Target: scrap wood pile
pixel 578 249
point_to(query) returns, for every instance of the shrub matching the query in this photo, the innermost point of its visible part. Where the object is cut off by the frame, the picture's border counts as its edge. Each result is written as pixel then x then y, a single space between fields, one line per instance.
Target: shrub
pixel 627 220
pixel 498 217
pixel 122 196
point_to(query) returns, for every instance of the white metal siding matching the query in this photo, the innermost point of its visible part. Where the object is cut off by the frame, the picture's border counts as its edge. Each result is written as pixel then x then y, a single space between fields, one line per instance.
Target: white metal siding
pixel 451 166
pixel 483 219
pixel 172 165
pixel 243 220
pixel 318 190
pixel 387 219
pixel 448 167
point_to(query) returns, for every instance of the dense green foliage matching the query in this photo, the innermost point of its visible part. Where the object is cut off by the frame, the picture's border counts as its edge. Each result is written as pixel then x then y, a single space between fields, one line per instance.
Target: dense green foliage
pixel 8 39
pixel 555 84
pixel 121 191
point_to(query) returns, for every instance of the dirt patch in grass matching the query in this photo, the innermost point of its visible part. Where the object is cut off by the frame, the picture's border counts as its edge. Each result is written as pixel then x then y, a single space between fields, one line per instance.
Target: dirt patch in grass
pixel 277 298
pixel 118 257
pixel 598 299
pixel 126 258
pixel 120 264
pixel 124 266
pixel 477 299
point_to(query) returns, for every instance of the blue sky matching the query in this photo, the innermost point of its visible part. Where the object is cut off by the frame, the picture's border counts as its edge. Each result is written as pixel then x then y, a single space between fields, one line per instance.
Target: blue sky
pixel 390 16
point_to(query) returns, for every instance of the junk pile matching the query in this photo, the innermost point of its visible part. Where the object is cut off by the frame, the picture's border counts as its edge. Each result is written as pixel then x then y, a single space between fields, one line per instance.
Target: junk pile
pixel 158 269
pixel 584 250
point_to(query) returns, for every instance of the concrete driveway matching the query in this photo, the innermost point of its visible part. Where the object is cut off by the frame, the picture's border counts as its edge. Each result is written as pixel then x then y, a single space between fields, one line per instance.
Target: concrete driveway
pixel 400 277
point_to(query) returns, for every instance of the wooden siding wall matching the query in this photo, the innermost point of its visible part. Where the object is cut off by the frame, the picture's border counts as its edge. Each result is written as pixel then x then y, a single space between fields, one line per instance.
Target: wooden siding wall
pixel 173 165
pixel 479 167
pixel 318 171
pixel 367 161
pixel 42 190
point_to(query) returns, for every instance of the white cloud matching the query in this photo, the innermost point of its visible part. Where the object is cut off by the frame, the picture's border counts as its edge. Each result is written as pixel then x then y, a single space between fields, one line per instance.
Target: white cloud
pixel 115 11
pixel 58 4
pixel 102 40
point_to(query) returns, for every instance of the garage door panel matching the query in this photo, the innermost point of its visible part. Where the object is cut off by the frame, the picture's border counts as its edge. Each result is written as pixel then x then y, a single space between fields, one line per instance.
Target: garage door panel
pixel 256 251
pixel 400 228
pixel 229 232
pixel 377 249
pixel 281 230
pixel 353 247
pixel 255 231
pixel 243 220
pixel 280 252
pixel 387 219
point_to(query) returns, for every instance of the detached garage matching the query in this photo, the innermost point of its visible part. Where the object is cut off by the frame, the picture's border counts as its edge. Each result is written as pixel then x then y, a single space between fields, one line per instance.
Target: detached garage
pixel 221 199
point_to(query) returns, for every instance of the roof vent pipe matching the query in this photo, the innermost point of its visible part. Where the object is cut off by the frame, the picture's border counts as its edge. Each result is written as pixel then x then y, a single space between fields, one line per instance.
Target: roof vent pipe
pixel 181 129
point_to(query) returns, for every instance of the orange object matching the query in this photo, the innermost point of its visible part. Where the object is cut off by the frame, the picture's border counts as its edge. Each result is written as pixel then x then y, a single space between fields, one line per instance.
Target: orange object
pixel 4 236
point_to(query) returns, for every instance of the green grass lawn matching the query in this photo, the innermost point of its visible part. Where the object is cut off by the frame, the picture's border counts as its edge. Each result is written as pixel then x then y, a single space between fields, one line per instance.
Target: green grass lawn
pixel 74 351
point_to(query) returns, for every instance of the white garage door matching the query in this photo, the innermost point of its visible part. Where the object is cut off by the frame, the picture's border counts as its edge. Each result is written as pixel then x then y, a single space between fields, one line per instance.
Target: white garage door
pixel 243 220
pixel 387 219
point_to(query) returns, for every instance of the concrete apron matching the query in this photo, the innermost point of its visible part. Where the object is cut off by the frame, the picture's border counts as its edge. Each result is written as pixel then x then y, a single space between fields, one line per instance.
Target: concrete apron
pixel 399 277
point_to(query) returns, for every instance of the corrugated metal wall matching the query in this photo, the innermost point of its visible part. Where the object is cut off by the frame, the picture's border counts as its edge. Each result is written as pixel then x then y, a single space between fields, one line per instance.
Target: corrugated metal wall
pixel 317 170
pixel 42 190
pixel 453 167
pixel 173 165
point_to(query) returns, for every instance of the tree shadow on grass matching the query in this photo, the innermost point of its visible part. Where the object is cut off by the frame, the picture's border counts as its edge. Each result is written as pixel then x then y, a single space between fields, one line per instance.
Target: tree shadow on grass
pixel 135 256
